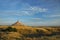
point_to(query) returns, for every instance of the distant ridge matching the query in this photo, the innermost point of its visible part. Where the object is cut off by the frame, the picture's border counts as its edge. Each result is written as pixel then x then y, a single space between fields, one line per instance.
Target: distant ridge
pixel 17 24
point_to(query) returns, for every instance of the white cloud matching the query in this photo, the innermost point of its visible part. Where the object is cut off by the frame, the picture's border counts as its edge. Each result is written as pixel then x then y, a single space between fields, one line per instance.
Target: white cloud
pixel 22 9
pixel 39 9
pixel 52 15
pixel 34 10
pixel 25 11
pixel 55 16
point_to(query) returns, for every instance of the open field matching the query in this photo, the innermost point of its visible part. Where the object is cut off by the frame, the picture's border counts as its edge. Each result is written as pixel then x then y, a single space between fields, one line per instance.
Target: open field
pixel 29 33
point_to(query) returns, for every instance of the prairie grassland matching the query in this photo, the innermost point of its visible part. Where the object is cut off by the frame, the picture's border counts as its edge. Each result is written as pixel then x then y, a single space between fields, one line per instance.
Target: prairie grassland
pixel 29 33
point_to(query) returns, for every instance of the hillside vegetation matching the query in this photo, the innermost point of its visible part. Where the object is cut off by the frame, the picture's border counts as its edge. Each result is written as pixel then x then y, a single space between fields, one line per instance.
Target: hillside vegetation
pixel 29 33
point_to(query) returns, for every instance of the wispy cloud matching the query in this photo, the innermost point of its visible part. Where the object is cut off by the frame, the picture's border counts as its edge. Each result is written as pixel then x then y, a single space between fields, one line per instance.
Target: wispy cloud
pixel 52 15
pixel 25 11
pixel 34 10
pixel 18 7
pixel 39 9
pixel 55 16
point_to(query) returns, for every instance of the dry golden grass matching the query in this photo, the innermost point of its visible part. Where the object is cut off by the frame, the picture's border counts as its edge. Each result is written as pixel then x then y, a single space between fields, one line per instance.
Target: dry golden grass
pixel 27 30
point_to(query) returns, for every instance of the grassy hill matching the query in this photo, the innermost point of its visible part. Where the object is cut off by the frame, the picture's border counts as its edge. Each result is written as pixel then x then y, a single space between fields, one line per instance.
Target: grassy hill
pixel 18 31
pixel 27 33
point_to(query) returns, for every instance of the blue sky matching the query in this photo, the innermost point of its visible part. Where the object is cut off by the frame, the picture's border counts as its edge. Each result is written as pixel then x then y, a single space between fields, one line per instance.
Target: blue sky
pixel 30 12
